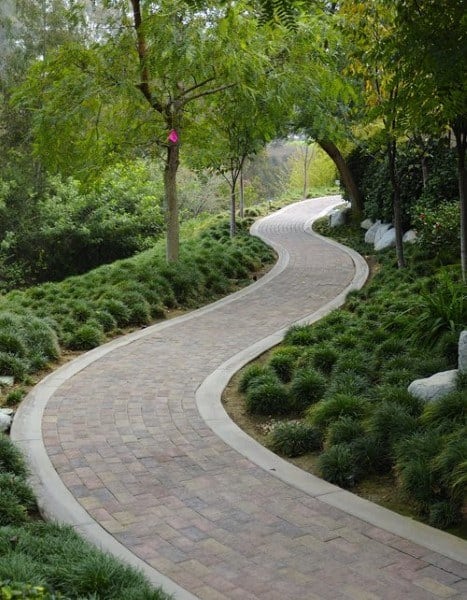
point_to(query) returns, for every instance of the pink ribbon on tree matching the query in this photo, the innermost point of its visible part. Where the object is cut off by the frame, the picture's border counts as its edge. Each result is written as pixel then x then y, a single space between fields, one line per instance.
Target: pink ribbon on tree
pixel 173 136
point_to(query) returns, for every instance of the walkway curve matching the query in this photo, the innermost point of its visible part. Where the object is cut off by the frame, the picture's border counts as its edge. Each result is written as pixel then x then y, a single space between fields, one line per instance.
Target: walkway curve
pixel 147 479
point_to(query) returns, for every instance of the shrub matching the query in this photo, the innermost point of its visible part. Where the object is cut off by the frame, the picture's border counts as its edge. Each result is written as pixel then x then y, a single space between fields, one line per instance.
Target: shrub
pixel 450 465
pixel 251 372
pixel 15 396
pixel 86 337
pixel 446 412
pixel 300 335
pixel 444 514
pixel 413 465
pixel 399 395
pixel 119 311
pixel 337 465
pixel 18 487
pixel 440 310
pixel 341 405
pixel 12 343
pixel 344 431
pixel 388 423
pixel 106 320
pixel 347 383
pixel 294 438
pixel 324 357
pixel 11 459
pixel 271 398
pixel 12 512
pixel 282 362
pixel 307 387
pixel 13 366
pixel 437 227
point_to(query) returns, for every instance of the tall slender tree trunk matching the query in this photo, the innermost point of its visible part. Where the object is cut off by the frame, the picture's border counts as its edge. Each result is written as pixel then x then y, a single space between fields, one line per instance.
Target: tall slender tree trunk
pixel 233 208
pixel 305 172
pixel 242 196
pixel 346 177
pixel 460 132
pixel 396 199
pixel 171 203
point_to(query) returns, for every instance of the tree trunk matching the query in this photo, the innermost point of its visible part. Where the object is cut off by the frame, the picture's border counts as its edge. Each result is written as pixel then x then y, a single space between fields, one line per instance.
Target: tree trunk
pixel 242 196
pixel 460 132
pixel 396 200
pixel 233 197
pixel 346 177
pixel 305 172
pixel 171 203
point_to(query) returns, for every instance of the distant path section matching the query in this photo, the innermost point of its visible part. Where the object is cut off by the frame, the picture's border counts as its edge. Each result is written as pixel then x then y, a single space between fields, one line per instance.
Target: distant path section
pixel 129 443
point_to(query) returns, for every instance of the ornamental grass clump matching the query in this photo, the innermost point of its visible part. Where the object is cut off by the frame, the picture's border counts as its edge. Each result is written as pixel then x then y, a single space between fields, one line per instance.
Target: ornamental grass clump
pixel 330 409
pixel 338 465
pixel 306 388
pixel 294 438
pixel 283 362
pixel 270 398
pixel 344 431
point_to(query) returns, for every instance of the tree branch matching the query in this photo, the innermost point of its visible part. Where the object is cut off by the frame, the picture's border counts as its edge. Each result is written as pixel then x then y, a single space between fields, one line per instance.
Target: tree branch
pixel 209 92
pixel 142 55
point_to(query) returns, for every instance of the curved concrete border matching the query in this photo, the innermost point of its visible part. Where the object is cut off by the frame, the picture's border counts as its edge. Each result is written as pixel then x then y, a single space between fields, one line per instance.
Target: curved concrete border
pixel 208 398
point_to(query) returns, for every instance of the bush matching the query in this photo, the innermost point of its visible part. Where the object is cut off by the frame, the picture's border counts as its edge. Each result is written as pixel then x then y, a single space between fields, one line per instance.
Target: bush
pixel 437 227
pixel 294 438
pixel 253 372
pixel 14 397
pixel 307 387
pixel 13 366
pixel 300 335
pixel 86 337
pixel 11 459
pixel 324 357
pixel 12 512
pixel 440 310
pixel 337 465
pixel 18 487
pixel 282 362
pixel 344 431
pixel 341 405
pixel 446 412
pixel 271 398
pixel 444 514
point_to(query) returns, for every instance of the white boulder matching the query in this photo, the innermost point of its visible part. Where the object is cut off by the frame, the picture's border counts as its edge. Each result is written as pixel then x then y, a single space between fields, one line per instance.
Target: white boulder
pixel 409 236
pixel 366 224
pixel 371 232
pixel 381 231
pixel 463 352
pixel 387 240
pixel 337 218
pixel 6 418
pixel 434 387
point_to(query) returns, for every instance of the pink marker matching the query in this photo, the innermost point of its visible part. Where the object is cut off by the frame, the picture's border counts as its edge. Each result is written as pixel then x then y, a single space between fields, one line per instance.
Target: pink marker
pixel 173 136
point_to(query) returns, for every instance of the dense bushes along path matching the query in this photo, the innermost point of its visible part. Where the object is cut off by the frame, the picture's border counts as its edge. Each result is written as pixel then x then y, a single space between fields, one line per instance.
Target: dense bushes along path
pixel 148 478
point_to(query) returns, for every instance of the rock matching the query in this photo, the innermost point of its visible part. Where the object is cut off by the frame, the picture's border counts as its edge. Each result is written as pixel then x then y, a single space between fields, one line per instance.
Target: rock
pixel 366 224
pixel 370 234
pixel 434 387
pixel 337 218
pixel 463 352
pixel 381 231
pixel 6 418
pixel 409 236
pixel 6 380
pixel 387 240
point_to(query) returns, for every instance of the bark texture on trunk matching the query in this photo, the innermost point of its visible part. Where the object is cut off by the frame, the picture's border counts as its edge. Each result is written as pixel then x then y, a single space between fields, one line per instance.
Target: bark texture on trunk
pixel 171 202
pixel 396 199
pixel 233 210
pixel 346 176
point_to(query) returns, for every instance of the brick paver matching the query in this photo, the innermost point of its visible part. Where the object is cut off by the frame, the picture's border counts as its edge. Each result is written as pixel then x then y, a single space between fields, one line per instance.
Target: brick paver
pixel 125 436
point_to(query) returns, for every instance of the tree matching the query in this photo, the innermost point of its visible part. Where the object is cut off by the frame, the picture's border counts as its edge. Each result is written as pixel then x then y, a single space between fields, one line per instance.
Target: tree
pixel 238 123
pixel 432 46
pixel 136 87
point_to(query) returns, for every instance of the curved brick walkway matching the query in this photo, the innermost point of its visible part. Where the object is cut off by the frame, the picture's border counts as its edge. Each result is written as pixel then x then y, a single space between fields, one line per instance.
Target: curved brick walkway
pixel 153 481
